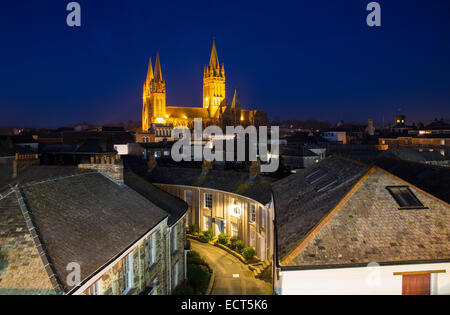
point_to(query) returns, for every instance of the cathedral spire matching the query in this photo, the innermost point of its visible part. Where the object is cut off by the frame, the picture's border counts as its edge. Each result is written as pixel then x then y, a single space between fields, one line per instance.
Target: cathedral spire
pixel 214 60
pixel 235 104
pixel 149 72
pixel 158 75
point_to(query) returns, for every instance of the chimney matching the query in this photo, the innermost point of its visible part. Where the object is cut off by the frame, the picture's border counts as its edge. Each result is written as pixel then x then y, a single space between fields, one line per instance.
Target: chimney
pixel 370 130
pixel 110 166
pixel 23 160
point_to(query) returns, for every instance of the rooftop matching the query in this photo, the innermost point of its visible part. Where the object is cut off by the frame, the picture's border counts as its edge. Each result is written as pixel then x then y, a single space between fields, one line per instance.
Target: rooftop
pixel 357 220
pixel 87 219
pixel 231 181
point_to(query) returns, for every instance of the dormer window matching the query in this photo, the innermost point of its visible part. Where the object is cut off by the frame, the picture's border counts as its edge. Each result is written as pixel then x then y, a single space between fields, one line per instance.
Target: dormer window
pixel 405 198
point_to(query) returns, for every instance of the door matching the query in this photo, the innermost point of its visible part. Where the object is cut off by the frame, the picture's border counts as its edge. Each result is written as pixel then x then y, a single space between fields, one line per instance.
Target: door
pixel 416 284
pixel 220 226
pixel 262 248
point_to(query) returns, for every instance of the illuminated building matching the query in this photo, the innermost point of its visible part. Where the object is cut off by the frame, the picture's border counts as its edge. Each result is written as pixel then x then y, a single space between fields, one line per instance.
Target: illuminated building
pixel 214 111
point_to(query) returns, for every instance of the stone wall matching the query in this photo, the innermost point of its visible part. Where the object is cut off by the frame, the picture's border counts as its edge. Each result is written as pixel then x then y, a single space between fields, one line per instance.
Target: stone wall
pixel 178 256
pixel 109 165
pixel 113 280
pixel 23 160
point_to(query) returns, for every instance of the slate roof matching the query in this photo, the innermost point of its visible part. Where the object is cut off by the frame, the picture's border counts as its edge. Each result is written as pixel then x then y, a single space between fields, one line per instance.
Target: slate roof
pixel 299 151
pixel 171 204
pixel 356 222
pixel 87 219
pixel 299 206
pixel 230 181
pixel 433 179
pixel 34 173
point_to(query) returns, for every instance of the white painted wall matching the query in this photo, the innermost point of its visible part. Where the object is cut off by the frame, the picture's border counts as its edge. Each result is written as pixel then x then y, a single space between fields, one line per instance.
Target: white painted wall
pixel 358 281
pixel 129 149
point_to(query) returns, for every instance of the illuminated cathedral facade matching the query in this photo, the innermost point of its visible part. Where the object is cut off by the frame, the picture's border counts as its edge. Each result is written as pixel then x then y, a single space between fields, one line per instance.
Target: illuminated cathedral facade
pixel 215 110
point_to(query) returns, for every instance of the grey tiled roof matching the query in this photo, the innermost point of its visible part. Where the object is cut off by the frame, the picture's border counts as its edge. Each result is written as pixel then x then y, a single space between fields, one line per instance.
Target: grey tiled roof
pixel 87 219
pixel 367 227
pixel 299 206
pixel 171 204
pixel 231 181
pixel 34 173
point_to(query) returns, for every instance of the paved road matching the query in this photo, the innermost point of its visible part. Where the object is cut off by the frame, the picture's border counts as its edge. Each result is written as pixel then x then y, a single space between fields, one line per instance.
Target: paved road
pixel 232 276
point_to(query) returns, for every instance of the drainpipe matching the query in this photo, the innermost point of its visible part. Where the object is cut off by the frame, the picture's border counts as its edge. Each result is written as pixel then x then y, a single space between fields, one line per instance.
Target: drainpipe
pixel 170 260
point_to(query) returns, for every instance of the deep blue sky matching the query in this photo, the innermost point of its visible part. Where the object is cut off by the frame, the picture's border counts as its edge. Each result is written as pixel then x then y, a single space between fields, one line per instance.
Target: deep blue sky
pixel 293 59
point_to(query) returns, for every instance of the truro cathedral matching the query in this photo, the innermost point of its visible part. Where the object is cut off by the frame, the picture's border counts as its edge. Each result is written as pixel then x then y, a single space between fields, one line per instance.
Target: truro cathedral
pixel 215 111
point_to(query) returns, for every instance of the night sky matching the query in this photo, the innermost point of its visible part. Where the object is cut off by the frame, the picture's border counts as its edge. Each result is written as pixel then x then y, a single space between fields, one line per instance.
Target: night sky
pixel 293 59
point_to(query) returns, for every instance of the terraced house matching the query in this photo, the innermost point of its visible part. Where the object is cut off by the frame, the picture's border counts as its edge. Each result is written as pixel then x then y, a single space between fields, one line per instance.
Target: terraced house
pixel 225 201
pixel 89 230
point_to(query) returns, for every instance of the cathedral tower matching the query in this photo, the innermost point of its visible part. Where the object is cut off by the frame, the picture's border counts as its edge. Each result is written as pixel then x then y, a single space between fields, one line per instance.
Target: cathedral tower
pixel 213 83
pixel 154 96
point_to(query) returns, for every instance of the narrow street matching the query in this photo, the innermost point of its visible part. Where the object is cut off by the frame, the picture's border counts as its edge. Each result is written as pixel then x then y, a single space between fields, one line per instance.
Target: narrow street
pixel 232 276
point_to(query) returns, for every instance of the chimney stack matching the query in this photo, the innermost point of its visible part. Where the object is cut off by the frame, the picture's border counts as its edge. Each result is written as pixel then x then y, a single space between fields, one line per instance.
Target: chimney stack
pixel 109 165
pixel 23 160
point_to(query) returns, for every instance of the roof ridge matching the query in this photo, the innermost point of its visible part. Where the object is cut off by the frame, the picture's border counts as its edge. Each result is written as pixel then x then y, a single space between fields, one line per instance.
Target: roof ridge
pixel 51 179
pixel 325 219
pixel 409 184
pixel 8 192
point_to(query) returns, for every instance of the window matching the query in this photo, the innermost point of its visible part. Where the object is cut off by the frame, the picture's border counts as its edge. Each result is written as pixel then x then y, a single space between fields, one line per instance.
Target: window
pixel 152 249
pixel 166 153
pixel 235 209
pixel 405 197
pixel 208 201
pixel 442 142
pixel 207 221
pixel 252 239
pixel 220 225
pixel 175 275
pixel 252 213
pixel 154 287
pixel 234 230
pixel 188 197
pixel 128 272
pixel 157 154
pixel 93 289
pixel 263 218
pixel 174 244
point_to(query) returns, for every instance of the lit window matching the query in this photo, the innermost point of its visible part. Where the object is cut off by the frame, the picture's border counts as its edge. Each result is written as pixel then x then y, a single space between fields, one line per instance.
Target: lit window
pixel 405 197
pixel 174 245
pixel 235 209
pixel 154 287
pixel 234 230
pixel 176 275
pixel 94 289
pixel 442 142
pixel 128 272
pixel 252 213
pixel 252 239
pixel 188 197
pixel 152 249
pixel 207 222
pixel 263 217
pixel 208 201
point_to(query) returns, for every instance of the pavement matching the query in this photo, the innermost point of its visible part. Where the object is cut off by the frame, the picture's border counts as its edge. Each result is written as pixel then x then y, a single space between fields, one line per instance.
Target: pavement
pixel 232 276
